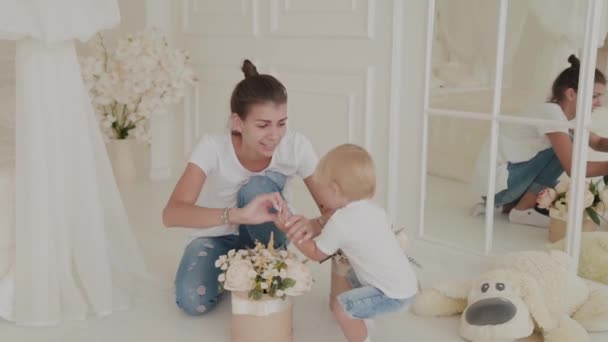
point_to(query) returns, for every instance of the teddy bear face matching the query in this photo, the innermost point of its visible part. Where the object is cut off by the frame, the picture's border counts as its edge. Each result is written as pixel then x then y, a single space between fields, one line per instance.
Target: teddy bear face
pixel 495 308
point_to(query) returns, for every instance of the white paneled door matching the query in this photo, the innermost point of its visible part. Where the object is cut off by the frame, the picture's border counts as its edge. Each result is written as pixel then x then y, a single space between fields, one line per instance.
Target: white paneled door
pixel 336 57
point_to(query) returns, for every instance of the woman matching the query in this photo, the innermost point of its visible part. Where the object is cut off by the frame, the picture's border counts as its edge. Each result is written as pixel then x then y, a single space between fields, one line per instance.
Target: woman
pixel 240 177
pixel 532 158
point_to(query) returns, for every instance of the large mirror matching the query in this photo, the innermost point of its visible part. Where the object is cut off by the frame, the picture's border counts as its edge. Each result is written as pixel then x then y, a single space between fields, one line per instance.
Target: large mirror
pixel 454 146
pixel 537 47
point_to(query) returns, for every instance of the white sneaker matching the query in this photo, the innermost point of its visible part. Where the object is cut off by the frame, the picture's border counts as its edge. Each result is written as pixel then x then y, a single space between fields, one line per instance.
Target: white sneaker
pixel 480 209
pixel 529 217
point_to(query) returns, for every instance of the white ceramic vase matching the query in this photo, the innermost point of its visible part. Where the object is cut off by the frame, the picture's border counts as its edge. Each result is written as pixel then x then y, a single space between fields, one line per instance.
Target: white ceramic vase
pixel 126 156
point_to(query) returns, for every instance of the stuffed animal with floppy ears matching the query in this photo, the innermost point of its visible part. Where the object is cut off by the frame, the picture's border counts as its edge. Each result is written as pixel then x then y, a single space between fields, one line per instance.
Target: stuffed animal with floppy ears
pixel 519 294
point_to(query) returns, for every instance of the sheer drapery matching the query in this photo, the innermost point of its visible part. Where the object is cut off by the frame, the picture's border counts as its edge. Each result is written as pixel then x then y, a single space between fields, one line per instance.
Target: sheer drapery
pixel 75 252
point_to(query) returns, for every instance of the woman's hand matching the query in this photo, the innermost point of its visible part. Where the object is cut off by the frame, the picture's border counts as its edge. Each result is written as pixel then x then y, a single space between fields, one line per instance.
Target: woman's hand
pixel 258 210
pixel 300 229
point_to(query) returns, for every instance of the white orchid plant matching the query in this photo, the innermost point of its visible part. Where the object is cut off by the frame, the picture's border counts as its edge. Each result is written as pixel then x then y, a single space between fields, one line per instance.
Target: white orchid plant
pixel 264 271
pixel 556 200
pixel 140 78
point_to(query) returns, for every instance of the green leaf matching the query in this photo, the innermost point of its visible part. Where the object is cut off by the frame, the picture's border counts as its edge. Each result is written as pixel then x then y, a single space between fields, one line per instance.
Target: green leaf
pixel 592 187
pixel 256 294
pixel 287 283
pixel 593 215
pixel 271 291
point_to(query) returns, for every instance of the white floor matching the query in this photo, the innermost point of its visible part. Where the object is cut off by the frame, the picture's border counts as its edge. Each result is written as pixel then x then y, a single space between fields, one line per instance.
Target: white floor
pixel 154 316
pixel 448 219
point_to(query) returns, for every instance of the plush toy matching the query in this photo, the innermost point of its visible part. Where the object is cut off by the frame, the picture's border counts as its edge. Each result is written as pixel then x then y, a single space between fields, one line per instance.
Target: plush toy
pixel 521 293
pixel 593 259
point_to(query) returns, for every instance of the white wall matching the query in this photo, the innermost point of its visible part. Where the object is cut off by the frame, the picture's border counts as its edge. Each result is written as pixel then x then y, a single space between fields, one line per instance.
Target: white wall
pixel 7 63
pixel 355 60
pixel 354 68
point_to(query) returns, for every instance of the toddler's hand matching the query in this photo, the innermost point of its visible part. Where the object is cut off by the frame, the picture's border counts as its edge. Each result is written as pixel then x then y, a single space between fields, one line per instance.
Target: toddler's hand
pixel 300 229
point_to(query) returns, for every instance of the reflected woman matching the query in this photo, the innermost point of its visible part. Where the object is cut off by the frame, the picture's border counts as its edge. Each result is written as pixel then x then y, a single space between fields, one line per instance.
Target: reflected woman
pixel 531 158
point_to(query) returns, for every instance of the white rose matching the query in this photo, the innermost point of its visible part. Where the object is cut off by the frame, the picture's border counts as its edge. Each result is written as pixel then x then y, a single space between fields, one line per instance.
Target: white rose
pixel 237 276
pixel 563 186
pixel 267 274
pixel 301 274
pixel 280 293
pixel 546 198
pixel 264 286
pixel 283 273
pixel 589 198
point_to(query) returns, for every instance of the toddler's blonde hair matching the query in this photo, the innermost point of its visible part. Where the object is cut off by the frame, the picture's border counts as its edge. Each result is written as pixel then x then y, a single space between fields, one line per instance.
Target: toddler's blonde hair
pixel 351 168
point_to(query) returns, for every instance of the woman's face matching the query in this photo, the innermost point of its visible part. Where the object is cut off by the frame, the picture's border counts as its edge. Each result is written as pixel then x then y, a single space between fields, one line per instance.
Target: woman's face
pixel 263 127
pixel 598 94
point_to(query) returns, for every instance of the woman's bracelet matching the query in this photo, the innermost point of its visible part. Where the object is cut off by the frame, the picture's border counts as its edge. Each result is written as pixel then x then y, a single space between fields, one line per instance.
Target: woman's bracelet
pixel 225 215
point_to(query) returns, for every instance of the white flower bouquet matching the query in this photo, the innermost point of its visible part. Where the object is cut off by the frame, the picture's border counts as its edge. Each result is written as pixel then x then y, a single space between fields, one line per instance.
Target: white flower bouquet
pixel 556 200
pixel 264 271
pixel 136 80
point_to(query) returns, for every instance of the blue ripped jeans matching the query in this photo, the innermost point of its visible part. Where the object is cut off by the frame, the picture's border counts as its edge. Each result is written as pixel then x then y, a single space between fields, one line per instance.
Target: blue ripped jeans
pixel 196 284
pixel 542 171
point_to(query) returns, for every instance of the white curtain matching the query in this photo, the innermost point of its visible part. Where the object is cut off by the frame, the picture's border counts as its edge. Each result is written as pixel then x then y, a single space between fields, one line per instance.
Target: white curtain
pixel 75 252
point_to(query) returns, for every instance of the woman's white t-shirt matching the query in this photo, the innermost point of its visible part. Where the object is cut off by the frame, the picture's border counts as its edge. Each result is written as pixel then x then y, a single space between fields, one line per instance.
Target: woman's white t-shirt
pixel 517 143
pixel 215 155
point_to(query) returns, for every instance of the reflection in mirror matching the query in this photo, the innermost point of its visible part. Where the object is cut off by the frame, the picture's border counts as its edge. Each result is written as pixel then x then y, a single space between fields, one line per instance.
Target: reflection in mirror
pixel 531 183
pixel 453 149
pixel 538 43
pixel 536 51
pixel 593 257
pixel 526 165
pixel 463 55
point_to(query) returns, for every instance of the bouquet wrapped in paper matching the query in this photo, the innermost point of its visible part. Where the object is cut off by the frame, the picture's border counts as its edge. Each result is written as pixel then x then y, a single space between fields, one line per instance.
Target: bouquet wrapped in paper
pixel 262 281
pixel 556 200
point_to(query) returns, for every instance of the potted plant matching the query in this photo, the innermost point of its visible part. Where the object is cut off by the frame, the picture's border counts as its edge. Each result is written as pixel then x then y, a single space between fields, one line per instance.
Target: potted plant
pixel 140 78
pixel 262 281
pixel 556 201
